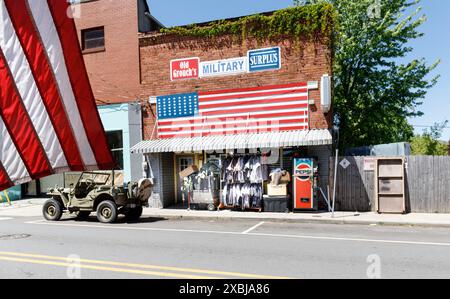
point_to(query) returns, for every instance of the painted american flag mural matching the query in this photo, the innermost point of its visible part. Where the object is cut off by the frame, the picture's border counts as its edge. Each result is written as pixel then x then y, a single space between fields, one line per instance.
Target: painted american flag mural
pixel 236 111
pixel 49 121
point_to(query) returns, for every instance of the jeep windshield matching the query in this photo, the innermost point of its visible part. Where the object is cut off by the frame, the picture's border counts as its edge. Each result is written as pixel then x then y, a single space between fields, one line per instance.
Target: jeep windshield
pixel 97 178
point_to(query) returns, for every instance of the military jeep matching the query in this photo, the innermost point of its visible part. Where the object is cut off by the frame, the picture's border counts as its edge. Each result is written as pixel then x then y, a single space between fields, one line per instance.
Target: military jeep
pixel 98 192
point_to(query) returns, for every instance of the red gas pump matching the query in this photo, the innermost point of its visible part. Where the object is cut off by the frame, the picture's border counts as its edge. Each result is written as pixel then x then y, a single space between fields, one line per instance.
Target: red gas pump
pixel 305 184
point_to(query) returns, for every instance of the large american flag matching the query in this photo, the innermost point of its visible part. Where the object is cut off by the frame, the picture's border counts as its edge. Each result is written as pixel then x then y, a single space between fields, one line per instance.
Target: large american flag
pixel 49 121
pixel 235 111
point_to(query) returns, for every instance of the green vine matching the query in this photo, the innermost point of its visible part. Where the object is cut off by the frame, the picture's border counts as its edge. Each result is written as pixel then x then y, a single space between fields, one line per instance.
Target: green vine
pixel 300 22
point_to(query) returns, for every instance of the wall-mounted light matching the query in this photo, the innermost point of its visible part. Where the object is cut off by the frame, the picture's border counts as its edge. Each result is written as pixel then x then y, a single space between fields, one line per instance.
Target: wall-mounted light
pixel 325 93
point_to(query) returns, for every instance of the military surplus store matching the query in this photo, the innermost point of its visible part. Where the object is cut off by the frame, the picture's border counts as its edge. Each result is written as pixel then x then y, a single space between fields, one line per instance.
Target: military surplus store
pixel 236 121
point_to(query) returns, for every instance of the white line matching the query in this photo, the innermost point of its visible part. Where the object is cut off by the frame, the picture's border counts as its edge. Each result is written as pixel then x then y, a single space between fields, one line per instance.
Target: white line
pixel 43 222
pixel 252 228
pixel 353 239
pixel 404 242
pixel 5 218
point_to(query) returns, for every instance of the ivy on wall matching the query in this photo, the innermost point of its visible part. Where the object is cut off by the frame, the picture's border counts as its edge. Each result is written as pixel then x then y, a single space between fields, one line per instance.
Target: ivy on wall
pixel 310 21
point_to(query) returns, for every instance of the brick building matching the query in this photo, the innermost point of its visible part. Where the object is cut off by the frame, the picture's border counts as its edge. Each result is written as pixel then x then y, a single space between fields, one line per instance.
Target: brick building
pixel 271 100
pixel 170 154
pixel 107 32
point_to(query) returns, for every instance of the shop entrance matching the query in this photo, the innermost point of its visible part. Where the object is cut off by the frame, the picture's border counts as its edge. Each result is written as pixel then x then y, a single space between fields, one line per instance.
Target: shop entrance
pixel 182 162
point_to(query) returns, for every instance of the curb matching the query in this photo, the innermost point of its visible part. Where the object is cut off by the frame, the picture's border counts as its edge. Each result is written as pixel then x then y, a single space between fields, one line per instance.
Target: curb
pixel 310 221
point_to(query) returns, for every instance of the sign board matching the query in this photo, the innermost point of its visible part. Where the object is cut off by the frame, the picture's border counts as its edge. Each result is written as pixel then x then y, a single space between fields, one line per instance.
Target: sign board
pixel 264 59
pixel 187 68
pixel 345 163
pixel 224 67
pixel 369 164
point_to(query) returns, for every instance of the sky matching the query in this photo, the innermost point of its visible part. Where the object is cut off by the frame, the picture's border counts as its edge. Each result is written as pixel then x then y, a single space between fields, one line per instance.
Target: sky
pixel 434 45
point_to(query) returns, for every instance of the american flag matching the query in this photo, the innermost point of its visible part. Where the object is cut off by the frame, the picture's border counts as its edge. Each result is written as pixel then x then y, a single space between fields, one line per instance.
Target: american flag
pixel 235 111
pixel 49 121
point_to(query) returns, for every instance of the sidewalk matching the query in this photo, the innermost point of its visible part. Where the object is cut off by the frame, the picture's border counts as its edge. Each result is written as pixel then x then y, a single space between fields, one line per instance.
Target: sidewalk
pixel 32 208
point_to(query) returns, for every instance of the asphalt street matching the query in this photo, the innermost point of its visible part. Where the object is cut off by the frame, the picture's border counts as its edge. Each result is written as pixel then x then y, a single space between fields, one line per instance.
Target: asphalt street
pixel 159 248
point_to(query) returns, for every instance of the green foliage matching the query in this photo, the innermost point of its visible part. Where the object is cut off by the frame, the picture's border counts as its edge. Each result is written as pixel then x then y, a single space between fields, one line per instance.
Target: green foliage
pixel 428 143
pixel 300 22
pixel 375 89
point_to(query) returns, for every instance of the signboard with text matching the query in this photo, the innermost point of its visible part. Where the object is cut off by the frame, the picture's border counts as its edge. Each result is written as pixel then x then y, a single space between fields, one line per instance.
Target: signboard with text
pixel 232 66
pixel 264 59
pixel 187 68
pixel 256 61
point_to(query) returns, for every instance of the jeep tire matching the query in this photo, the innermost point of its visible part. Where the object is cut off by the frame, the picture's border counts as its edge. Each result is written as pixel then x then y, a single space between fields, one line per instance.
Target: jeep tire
pixel 52 210
pixel 107 212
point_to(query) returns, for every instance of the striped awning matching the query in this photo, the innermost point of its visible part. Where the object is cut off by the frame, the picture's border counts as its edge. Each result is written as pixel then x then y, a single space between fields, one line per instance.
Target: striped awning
pixel 230 142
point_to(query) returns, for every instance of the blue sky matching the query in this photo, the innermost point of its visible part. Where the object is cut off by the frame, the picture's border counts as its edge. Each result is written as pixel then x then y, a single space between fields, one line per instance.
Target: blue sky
pixel 434 45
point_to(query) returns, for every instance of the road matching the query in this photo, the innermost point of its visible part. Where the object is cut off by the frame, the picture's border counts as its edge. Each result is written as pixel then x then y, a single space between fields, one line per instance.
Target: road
pixel 159 248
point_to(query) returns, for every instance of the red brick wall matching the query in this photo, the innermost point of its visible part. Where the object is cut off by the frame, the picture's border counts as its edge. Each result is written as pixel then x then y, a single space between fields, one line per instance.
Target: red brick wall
pixel 114 73
pixel 299 64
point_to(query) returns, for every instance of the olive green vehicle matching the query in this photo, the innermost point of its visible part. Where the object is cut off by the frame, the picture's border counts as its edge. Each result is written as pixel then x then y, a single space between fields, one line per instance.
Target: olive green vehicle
pixel 98 192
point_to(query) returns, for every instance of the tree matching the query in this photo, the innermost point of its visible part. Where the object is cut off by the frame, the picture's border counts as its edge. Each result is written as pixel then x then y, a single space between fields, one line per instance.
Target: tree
pixel 375 91
pixel 428 143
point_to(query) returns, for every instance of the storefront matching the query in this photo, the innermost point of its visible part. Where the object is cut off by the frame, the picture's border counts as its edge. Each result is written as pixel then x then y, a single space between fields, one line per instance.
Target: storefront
pixel 237 119
pixel 244 163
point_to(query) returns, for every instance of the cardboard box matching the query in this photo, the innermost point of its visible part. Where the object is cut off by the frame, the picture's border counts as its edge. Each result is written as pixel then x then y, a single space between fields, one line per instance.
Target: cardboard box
pixel 188 171
pixel 286 179
pixel 274 190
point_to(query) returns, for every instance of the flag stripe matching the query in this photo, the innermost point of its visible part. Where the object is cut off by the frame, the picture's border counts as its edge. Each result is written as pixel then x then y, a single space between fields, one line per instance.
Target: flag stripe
pixel 247 131
pixel 262 100
pixel 241 90
pixel 10 158
pixel 230 96
pixel 49 37
pixel 259 108
pixel 80 82
pixel 228 128
pixel 231 121
pixel 66 145
pixel 19 125
pixel 5 181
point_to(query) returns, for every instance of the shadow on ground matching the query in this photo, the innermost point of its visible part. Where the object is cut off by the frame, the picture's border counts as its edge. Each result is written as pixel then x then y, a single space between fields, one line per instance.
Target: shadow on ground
pixel 120 220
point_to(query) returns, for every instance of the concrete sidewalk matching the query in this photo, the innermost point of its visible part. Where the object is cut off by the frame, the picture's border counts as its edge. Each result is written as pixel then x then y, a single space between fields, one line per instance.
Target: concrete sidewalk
pixel 33 207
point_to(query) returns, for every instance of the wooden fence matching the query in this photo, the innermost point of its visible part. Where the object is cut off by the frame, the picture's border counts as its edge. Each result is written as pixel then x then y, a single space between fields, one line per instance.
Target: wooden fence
pixel 427 184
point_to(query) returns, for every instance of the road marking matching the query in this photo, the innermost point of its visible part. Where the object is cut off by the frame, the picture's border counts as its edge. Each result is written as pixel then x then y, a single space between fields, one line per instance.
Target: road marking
pixel 42 259
pixel 324 238
pixel 5 218
pixel 43 222
pixel 253 228
pixel 101 268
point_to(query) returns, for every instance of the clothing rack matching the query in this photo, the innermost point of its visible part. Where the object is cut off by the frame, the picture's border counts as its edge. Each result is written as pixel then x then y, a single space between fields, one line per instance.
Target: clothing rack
pixel 243 184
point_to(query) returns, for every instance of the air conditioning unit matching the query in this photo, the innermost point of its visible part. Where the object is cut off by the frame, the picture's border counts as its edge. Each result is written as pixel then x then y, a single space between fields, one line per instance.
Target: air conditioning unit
pixel 325 93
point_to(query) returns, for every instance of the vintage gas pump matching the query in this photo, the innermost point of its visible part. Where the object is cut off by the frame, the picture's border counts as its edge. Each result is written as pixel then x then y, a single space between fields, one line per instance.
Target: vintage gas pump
pixel 305 184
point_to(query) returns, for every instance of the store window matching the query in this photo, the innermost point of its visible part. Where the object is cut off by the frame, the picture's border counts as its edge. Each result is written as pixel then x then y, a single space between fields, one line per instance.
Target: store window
pixel 93 39
pixel 115 142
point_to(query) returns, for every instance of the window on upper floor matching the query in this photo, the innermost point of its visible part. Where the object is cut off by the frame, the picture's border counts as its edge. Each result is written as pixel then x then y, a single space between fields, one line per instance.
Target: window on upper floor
pixel 93 39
